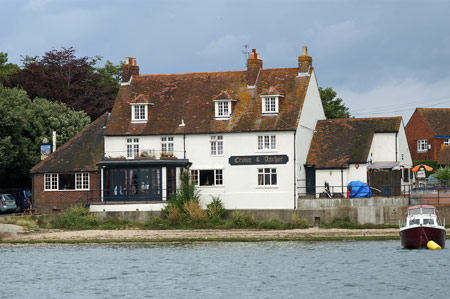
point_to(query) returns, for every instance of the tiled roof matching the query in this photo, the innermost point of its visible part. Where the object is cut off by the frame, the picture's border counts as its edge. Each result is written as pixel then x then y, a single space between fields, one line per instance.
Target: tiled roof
pixel 81 152
pixel 444 155
pixel 338 142
pixel 438 120
pixel 225 95
pixel 189 97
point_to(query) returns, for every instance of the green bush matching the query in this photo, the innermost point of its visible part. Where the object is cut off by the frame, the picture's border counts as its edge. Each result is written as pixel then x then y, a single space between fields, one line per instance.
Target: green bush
pixel 243 221
pixel 216 208
pixel 76 218
pixel 443 174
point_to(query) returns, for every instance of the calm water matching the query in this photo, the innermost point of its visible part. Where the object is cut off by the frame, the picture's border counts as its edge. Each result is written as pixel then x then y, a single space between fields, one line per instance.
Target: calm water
pixel 225 270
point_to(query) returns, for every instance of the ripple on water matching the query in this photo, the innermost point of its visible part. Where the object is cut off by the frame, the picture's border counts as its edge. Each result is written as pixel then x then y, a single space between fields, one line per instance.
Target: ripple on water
pixel 222 270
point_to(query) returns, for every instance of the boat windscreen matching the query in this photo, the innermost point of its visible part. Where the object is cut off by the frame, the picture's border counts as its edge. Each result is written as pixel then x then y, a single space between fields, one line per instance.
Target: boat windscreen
pixel 428 221
pixel 427 211
pixel 414 212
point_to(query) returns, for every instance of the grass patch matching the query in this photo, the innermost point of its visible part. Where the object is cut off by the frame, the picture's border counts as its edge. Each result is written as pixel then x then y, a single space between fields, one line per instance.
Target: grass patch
pixel 347 224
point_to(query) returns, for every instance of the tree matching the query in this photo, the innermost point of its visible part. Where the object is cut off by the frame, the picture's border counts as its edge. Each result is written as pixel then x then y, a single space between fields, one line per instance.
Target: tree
pixel 24 124
pixel 60 76
pixel 6 69
pixel 443 174
pixel 333 107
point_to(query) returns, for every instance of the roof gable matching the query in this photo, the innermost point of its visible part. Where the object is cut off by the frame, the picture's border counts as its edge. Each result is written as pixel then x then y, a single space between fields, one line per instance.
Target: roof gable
pixel 80 153
pixel 339 142
pixel 438 119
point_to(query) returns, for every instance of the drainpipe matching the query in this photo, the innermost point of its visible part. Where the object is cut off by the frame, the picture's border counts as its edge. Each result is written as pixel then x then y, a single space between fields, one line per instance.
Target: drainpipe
pixel 295 174
pixel 342 181
pixel 184 145
pixel 396 153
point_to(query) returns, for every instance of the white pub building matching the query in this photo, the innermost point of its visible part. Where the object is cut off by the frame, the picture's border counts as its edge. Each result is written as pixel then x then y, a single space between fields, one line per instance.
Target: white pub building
pixel 243 135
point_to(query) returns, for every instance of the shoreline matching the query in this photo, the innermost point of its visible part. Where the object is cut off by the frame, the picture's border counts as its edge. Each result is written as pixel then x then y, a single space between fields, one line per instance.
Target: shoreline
pixel 191 236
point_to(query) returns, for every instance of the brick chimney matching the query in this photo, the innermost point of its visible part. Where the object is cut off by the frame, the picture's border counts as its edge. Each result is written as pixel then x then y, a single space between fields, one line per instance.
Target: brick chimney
pixel 304 61
pixel 254 65
pixel 129 69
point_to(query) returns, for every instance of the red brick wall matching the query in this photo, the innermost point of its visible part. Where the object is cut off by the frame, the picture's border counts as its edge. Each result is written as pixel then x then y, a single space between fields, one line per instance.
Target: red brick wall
pixel 417 129
pixel 45 201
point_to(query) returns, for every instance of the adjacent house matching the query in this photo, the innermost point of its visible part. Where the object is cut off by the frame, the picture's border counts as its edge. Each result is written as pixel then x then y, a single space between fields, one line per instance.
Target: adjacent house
pixel 372 150
pixel 428 130
pixel 70 174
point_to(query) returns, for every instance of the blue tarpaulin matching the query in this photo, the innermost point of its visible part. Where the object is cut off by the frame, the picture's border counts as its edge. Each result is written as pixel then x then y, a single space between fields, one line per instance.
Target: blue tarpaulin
pixel 359 189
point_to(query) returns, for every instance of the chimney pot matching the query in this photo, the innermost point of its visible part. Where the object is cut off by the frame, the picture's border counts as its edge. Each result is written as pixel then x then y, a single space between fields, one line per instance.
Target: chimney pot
pixel 254 65
pixel 129 69
pixel 304 61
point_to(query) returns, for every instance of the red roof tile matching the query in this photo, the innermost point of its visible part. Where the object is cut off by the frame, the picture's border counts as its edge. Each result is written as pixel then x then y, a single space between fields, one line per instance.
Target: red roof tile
pixel 438 120
pixel 189 97
pixel 338 142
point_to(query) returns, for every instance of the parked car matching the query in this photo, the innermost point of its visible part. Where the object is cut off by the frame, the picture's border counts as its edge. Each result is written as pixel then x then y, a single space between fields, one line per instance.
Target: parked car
pixel 23 198
pixel 7 203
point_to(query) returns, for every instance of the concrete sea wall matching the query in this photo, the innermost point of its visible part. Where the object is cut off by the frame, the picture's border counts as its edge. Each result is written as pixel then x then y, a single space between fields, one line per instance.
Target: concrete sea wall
pixel 376 210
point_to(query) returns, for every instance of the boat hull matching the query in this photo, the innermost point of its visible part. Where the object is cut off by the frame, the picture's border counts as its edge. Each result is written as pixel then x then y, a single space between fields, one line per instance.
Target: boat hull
pixel 418 236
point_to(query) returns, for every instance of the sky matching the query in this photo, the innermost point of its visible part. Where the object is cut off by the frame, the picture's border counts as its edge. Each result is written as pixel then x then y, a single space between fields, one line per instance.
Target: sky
pixel 383 58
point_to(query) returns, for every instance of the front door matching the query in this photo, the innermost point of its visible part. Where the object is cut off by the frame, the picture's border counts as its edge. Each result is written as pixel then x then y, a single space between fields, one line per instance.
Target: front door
pixel 310 180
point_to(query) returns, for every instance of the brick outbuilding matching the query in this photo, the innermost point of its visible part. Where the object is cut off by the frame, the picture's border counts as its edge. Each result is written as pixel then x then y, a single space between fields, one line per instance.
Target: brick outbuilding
pixel 427 131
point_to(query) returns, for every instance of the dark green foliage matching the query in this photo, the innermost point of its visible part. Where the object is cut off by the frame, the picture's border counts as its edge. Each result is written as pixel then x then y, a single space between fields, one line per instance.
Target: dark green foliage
pixel 332 106
pixel 443 174
pixel 24 123
pixel 60 76
pixel 185 193
pixel 216 208
pixel 6 69
pixel 77 218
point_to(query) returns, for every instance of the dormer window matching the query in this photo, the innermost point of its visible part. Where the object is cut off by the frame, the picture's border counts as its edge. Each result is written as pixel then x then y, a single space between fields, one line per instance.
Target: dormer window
pixel 270 104
pixel 222 104
pixel 223 109
pixel 139 113
pixel 270 100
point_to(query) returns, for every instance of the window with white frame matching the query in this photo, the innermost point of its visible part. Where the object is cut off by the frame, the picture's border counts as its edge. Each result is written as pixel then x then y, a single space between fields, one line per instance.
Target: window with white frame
pixel 267 142
pixel 51 181
pixel 82 181
pixel 446 141
pixel 267 176
pixel 207 177
pixel 167 145
pixel 216 145
pixel 132 148
pixel 139 112
pixel 223 109
pixel 66 181
pixel 270 104
pixel 422 145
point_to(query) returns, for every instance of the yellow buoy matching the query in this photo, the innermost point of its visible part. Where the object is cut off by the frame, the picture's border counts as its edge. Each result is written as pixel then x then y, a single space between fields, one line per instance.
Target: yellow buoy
pixel 433 245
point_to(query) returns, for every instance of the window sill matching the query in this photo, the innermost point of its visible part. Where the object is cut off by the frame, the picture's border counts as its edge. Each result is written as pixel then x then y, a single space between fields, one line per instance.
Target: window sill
pixel 268 151
pixel 217 155
pixel 222 117
pixel 210 186
pixel 266 187
pixel 139 121
pixel 67 190
pixel 422 151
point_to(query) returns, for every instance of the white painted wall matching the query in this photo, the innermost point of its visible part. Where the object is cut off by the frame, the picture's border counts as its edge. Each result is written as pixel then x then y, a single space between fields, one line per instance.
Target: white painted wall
pixel 240 189
pixel 116 146
pixel 312 112
pixel 338 179
pixel 383 147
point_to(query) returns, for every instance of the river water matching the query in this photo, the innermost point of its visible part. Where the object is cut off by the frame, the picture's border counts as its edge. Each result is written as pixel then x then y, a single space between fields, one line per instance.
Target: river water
pixel 345 269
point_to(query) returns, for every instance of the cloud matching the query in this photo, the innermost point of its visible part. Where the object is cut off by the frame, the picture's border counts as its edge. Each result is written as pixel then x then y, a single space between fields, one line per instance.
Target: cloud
pixel 36 5
pixel 396 97
pixel 225 45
